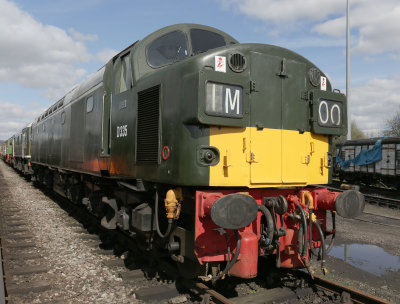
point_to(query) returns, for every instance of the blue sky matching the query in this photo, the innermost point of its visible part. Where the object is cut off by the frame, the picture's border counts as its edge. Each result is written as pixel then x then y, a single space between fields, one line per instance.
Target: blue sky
pixel 47 46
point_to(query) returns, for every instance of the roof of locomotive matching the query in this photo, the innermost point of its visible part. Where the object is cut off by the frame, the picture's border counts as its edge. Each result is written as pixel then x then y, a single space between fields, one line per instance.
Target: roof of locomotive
pixel 186 27
pixel 140 69
pixel 96 78
pixel 92 81
pixel 370 141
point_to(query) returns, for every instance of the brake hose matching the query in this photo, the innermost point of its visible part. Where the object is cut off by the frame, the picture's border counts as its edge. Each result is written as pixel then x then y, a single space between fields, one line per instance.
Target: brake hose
pixel 229 264
pixel 270 222
pixel 305 234
pixel 313 250
pixel 321 234
pixel 161 235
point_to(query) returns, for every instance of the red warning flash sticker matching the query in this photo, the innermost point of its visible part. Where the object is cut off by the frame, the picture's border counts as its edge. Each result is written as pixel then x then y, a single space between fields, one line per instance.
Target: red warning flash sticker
pixel 220 64
pixel 323 83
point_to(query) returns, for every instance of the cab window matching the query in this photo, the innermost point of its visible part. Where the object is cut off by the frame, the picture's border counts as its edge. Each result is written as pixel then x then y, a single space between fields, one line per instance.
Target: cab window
pixel 203 40
pixel 167 49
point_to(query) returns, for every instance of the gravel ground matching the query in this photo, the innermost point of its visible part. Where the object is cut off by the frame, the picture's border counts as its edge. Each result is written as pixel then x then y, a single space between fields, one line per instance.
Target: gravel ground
pixel 76 274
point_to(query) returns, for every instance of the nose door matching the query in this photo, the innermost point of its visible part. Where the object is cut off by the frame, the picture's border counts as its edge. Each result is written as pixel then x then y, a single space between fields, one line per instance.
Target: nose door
pixel 278 120
pixel 295 123
pixel 266 120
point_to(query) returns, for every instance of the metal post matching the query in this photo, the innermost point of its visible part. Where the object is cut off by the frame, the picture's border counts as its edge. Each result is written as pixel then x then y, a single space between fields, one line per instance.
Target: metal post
pixel 348 72
pixel 346 253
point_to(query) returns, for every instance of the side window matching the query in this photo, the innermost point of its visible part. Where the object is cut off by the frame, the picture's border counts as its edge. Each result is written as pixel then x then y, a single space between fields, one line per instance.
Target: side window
pixel 123 74
pixel 167 49
pixel 89 104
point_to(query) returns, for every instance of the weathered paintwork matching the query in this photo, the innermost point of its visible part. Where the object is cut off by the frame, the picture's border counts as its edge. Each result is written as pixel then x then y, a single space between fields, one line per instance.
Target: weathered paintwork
pixel 3 149
pixel 278 126
pixel 10 146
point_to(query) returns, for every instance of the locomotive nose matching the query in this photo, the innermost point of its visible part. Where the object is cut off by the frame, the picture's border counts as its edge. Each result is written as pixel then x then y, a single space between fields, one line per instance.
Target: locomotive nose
pixel 350 204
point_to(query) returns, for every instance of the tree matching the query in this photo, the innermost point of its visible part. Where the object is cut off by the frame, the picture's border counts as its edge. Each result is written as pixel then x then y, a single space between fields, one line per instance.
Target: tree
pixel 393 126
pixel 356 133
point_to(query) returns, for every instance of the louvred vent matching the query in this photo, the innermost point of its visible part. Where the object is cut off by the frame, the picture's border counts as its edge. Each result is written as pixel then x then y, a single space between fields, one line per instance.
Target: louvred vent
pixel 148 123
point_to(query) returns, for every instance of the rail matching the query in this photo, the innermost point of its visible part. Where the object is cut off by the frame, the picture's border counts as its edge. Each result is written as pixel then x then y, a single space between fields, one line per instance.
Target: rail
pixel 215 295
pixel 357 296
pixel 390 202
pixel 2 289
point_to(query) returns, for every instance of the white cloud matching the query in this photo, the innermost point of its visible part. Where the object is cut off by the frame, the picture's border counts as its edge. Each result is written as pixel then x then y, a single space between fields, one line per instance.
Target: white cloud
pixel 13 117
pixel 334 27
pixel 81 37
pixel 40 56
pixel 375 102
pixel 286 11
pixel 375 25
pixel 105 55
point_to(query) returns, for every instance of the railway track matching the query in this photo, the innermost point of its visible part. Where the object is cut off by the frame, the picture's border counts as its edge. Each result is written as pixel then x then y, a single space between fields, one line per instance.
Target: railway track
pixel 345 293
pixel 23 265
pixel 2 289
pixel 382 201
pixel 348 294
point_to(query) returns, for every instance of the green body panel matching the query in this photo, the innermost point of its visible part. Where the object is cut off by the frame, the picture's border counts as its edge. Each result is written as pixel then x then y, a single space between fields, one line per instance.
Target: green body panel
pixel 279 99
pixel 10 146
pixel 268 91
pixel 70 137
pixel 277 94
pixel 18 144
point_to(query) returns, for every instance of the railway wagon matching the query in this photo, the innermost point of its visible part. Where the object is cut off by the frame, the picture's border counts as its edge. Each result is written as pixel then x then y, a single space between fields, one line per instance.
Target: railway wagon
pixel 202 149
pixel 369 160
pixel 22 154
pixel 8 148
pixel 3 149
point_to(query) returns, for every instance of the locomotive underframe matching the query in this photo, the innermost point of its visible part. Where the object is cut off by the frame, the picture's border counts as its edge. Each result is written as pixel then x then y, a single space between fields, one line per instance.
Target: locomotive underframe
pixel 197 245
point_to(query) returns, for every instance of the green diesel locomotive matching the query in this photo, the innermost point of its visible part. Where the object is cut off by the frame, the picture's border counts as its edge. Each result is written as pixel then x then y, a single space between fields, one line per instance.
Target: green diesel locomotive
pixel 227 135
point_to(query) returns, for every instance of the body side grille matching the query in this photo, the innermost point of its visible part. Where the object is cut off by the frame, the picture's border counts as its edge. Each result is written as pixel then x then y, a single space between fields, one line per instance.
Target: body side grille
pixel 148 121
